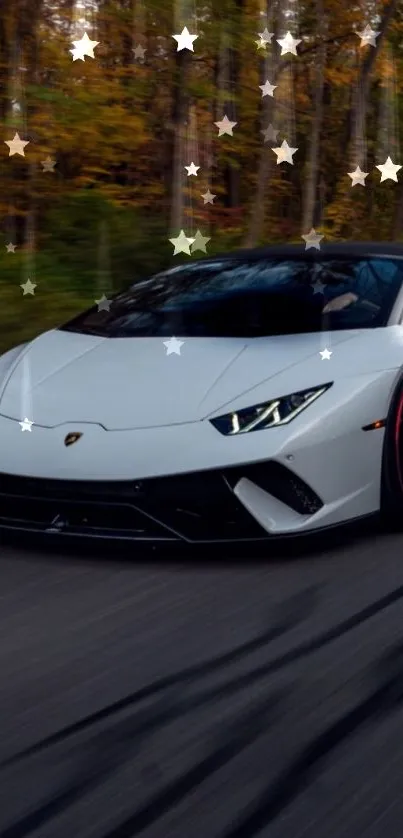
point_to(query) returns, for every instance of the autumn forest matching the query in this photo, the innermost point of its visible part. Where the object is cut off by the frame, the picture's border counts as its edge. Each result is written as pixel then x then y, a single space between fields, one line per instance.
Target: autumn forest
pixel 217 124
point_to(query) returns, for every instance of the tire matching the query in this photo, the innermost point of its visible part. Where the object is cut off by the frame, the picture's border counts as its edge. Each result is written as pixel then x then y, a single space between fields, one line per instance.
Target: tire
pixel 392 464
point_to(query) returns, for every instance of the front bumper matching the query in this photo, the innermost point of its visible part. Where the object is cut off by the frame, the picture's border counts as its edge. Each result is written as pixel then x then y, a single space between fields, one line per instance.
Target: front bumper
pixel 200 507
pixel 189 483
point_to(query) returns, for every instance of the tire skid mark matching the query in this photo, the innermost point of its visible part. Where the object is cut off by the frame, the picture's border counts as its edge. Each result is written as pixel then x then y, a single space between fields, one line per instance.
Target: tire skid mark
pixel 303 770
pixel 291 614
pixel 111 751
pixel 205 668
pixel 239 735
pixel 243 732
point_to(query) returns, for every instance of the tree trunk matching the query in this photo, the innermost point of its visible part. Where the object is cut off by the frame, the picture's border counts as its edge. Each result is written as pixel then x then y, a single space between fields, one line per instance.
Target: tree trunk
pixel 180 107
pixel 360 99
pixel 265 169
pixel 398 220
pixel 308 216
pixel 232 173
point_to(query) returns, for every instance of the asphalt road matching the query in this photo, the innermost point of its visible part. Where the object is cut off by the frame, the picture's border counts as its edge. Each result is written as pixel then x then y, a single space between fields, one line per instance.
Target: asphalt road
pixel 195 699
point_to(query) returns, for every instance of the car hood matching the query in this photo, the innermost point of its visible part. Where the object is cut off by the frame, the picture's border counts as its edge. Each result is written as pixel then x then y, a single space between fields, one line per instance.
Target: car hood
pixel 122 383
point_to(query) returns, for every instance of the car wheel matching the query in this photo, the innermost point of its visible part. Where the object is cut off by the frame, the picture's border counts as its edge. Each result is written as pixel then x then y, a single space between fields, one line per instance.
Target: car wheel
pixel 392 464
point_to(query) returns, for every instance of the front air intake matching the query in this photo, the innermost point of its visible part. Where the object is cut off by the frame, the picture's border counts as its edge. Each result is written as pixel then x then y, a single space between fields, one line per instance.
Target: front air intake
pixel 280 482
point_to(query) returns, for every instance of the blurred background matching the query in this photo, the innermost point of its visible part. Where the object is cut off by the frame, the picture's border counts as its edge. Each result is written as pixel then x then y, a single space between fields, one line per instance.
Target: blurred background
pixel 102 186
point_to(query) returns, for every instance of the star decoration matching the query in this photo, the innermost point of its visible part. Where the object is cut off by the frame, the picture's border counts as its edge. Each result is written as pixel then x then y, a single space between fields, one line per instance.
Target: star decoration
pixel 284 153
pixel 225 126
pixel 358 177
pixel 83 47
pixel 325 354
pixel 192 169
pixel 388 170
pixel 48 164
pixel 318 286
pixel 368 36
pixel 288 44
pixel 173 346
pixel 139 52
pixel 270 134
pixel 10 247
pixel 312 239
pixel 103 303
pixel 26 425
pixel 28 287
pixel 266 36
pixel 16 145
pixel 267 88
pixel 181 244
pixel 208 197
pixel 199 242
pixel 185 40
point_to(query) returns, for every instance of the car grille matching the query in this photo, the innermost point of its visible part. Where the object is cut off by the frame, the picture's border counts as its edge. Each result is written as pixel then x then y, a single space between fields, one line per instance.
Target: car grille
pixel 195 507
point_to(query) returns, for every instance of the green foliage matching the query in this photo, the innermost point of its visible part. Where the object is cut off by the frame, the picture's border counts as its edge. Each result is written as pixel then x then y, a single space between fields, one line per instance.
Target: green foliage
pixel 111 123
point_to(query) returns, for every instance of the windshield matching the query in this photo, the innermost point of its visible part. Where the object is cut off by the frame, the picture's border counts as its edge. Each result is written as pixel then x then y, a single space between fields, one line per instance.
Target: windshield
pixel 252 298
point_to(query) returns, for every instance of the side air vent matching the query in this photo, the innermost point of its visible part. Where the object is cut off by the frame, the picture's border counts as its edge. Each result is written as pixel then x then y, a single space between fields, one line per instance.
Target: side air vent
pixel 280 482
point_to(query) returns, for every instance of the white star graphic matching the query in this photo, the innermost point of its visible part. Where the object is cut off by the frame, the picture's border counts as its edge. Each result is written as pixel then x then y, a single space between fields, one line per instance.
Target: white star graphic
pixel 173 346
pixel 83 47
pixel 16 145
pixel 312 239
pixel 28 287
pixel 358 177
pixel 264 39
pixel 318 286
pixel 208 197
pixel 225 126
pixel 368 36
pixel 267 88
pixel 325 353
pixel 103 303
pixel 270 134
pixel 288 44
pixel 26 425
pixel 284 153
pixel 192 169
pixel 139 52
pixel 199 242
pixel 48 164
pixel 388 170
pixel 185 40
pixel 266 36
pixel 181 244
pixel 10 247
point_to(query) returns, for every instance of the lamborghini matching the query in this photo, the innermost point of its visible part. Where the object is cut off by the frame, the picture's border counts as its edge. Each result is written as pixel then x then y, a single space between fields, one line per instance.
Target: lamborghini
pixel 230 398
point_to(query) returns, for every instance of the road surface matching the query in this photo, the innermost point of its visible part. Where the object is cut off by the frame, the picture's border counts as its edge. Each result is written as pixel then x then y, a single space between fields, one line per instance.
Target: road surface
pixel 195 699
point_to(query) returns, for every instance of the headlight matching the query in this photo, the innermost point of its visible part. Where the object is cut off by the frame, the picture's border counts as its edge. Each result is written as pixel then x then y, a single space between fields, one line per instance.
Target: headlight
pixel 269 414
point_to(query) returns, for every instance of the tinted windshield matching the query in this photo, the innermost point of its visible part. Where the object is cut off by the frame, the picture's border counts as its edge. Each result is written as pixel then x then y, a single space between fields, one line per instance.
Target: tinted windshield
pixel 252 298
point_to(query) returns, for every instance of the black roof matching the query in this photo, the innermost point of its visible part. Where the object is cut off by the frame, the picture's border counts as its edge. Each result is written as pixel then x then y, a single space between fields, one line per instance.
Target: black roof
pixel 327 249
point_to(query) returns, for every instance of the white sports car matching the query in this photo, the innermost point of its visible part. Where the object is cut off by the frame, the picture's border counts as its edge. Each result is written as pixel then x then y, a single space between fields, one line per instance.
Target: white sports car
pixel 231 398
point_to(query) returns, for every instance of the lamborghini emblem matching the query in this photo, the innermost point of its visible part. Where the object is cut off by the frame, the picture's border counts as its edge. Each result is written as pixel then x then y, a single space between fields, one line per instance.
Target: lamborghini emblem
pixel 70 439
